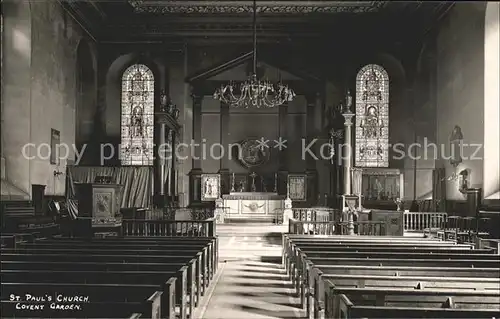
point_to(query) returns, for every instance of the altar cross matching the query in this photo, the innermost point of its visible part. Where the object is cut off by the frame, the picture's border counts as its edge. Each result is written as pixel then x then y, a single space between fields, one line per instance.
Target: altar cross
pixel 253 175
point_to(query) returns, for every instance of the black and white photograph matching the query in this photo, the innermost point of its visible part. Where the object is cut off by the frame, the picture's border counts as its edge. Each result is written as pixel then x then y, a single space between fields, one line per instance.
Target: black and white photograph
pixel 249 159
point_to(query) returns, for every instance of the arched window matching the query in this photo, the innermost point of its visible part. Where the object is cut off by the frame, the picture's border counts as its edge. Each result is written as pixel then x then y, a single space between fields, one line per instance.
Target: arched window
pixel 137 112
pixel 372 117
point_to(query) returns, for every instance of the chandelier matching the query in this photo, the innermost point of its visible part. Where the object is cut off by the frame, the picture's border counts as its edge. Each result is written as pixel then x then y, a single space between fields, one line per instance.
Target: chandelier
pixel 253 92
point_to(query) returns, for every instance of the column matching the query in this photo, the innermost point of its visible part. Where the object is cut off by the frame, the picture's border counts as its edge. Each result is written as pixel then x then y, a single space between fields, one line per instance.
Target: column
pixel 349 200
pixel 162 157
pixel 283 154
pixel 283 133
pixel 310 127
pixel 195 174
pixel 159 164
pixel 197 103
pixel 224 140
pixel 173 169
pixel 311 172
pixel 348 152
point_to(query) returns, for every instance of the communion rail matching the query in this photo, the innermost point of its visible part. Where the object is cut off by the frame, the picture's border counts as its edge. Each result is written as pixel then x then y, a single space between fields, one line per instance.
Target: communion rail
pixel 420 221
pixel 163 228
pixel 299 227
pixel 316 214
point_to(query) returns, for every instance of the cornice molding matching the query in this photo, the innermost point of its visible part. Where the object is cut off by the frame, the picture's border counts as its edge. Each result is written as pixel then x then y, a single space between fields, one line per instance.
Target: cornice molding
pixel 246 7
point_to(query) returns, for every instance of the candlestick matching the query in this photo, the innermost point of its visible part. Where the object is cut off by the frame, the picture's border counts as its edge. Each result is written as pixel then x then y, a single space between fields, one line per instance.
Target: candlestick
pixel 232 185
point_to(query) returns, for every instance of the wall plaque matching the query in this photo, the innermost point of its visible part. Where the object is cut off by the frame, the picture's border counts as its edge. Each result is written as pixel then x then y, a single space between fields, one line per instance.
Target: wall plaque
pixel 55 140
pixel 297 187
pixel 210 187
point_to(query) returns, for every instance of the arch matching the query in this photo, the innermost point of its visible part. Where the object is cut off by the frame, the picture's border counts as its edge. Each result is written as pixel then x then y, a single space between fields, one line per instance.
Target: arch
pixel 86 99
pixel 372 117
pixel 113 88
pixel 137 115
pixel 491 170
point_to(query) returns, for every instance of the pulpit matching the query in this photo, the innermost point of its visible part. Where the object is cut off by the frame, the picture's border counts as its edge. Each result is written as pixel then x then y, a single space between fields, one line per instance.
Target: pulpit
pixel 98 207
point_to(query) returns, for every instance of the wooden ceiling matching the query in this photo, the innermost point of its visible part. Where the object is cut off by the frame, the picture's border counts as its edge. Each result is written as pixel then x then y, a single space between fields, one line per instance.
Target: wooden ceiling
pixel 231 21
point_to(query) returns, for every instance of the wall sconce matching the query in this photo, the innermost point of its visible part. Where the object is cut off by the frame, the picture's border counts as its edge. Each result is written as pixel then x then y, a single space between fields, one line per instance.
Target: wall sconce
pixel 463 181
pixel 57 172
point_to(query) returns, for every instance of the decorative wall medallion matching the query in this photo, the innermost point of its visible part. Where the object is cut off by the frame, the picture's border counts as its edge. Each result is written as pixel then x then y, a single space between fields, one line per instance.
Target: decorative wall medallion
pixel 210 187
pixel 253 153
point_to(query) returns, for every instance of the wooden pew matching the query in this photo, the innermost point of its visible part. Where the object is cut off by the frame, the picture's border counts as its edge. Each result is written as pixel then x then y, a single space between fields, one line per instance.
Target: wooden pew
pixel 300 271
pixel 105 245
pixel 164 280
pixel 104 300
pixel 189 277
pixel 142 242
pixel 306 277
pixel 356 244
pixel 315 293
pixel 415 254
pixel 204 264
pixel 200 269
pixel 305 254
pixel 114 260
pixel 402 303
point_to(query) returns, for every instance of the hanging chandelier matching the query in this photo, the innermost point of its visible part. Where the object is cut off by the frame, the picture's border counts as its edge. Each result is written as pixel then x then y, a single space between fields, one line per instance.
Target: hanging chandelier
pixel 254 93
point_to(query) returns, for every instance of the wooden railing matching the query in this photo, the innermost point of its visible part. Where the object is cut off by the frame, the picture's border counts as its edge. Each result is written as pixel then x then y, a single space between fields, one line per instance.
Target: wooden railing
pixel 420 221
pixel 317 214
pixel 373 228
pixel 163 228
pixel 493 244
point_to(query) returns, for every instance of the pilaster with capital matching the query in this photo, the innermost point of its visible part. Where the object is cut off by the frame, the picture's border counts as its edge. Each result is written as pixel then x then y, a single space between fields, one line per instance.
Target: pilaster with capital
pixel 224 140
pixel 195 174
pixel 283 133
pixel 197 104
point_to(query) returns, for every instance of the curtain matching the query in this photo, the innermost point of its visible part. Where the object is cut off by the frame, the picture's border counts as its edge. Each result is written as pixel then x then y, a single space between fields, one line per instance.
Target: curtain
pixel 167 177
pixel 439 189
pixel 136 182
pixel 71 203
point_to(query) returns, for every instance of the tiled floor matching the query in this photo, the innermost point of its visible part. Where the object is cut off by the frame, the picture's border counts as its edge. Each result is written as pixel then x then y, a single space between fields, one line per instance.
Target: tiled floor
pixel 251 282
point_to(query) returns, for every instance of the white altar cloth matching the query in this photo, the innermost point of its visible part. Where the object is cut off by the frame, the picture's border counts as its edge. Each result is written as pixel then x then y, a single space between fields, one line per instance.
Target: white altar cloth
pixel 253 205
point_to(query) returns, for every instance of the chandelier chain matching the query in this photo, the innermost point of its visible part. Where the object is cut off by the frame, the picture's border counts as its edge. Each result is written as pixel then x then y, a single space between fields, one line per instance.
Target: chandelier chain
pixel 253 92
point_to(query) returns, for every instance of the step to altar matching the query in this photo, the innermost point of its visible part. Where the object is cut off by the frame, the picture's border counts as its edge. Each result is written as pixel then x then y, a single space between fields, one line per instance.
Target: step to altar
pixel 254 230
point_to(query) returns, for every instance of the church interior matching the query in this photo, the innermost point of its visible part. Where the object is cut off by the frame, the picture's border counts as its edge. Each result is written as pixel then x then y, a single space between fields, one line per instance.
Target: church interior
pixel 250 159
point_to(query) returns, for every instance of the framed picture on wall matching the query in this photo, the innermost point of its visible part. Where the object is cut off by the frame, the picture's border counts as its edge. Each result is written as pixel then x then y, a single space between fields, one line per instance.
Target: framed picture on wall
pixel 210 187
pixel 55 140
pixel 297 187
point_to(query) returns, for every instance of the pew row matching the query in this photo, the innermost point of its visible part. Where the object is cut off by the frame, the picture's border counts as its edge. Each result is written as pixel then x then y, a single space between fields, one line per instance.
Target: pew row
pixel 365 262
pixel 92 301
pixel 407 303
pixel 133 262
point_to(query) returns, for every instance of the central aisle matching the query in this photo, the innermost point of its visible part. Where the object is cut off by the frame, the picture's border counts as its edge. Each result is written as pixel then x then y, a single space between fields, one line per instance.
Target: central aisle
pixel 251 282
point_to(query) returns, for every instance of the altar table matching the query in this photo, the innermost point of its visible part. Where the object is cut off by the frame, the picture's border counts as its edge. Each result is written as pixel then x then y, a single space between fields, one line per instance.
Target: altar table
pixel 252 205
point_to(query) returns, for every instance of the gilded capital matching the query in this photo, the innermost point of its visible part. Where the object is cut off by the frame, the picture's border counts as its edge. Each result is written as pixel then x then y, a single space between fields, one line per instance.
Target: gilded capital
pixel 348 118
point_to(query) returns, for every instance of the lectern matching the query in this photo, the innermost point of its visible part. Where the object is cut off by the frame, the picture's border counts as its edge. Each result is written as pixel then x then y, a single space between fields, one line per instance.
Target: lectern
pixel 98 208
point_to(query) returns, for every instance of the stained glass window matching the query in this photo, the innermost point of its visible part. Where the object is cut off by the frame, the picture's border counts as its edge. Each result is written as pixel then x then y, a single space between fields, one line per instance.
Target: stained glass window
pixel 137 116
pixel 372 117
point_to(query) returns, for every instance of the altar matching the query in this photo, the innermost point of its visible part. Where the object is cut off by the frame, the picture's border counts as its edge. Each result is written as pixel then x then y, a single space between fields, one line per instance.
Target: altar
pixel 253 205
